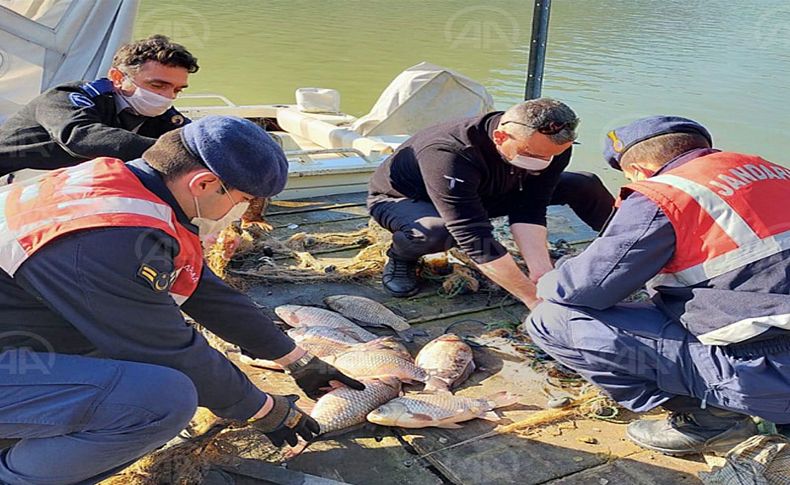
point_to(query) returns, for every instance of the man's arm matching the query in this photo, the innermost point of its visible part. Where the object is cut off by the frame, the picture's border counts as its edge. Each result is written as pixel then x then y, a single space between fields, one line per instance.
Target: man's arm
pixel 506 273
pixel 92 280
pixel 452 182
pixel 75 123
pixel 234 317
pixel 528 219
pixel 531 240
pixel 638 242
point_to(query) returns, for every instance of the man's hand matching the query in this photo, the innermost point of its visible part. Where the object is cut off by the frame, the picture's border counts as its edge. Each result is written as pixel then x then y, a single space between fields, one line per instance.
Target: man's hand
pixel 285 422
pixel 315 376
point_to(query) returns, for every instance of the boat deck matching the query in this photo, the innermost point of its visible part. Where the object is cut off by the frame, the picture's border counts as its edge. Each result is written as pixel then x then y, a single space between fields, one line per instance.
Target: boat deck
pixel 579 450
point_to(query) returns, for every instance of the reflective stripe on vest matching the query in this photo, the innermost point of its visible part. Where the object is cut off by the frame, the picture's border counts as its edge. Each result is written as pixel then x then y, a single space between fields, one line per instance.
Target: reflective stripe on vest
pixel 720 229
pixel 98 193
pixel 728 210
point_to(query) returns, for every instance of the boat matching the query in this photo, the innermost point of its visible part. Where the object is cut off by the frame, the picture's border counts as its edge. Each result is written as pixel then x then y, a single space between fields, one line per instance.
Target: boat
pixel 329 151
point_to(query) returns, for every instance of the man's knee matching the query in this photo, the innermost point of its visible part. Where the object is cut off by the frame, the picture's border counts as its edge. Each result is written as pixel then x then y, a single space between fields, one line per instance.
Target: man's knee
pixel 167 398
pixel 181 398
pixel 547 325
pixel 424 237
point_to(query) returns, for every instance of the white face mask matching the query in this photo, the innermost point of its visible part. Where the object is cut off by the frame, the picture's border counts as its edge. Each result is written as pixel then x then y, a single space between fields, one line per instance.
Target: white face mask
pixel 209 229
pixel 533 164
pixel 147 103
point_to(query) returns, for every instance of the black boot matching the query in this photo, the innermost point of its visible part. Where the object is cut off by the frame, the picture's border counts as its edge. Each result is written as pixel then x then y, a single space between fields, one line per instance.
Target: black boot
pixel 708 430
pixel 400 277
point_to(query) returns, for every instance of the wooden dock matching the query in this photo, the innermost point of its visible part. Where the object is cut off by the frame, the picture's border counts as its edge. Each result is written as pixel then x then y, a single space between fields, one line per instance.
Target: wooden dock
pixel 577 451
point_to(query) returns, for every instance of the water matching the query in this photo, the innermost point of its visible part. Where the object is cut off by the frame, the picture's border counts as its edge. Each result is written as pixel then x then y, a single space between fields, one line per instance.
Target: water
pixel 721 62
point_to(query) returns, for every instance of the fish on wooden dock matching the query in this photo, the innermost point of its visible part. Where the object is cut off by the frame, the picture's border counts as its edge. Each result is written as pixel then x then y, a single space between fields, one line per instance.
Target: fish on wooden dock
pixel 308 316
pixel 368 363
pixel 371 313
pixel 449 359
pixel 439 409
pixel 345 407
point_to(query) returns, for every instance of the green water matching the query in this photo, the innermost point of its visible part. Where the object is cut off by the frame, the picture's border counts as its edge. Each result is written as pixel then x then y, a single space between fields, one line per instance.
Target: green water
pixel 725 63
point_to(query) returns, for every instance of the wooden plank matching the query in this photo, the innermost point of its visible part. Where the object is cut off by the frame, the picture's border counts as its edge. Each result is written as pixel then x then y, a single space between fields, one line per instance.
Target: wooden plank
pixel 315 203
pixel 643 468
pixel 321 216
pixel 261 472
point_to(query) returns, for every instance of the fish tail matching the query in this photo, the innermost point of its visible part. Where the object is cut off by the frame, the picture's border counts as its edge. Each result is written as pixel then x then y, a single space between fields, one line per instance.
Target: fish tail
pixel 502 399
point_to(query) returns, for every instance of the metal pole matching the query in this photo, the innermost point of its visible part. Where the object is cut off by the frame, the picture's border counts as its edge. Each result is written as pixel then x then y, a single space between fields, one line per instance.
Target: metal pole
pixel 537 48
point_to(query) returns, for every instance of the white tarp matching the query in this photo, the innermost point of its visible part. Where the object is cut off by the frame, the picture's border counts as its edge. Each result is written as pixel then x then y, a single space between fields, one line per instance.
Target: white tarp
pixel 44 43
pixel 421 96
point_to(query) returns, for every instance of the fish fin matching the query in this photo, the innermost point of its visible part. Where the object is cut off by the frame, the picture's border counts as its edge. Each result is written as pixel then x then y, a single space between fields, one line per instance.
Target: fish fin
pixel 436 384
pixel 449 426
pixel 491 416
pixel 502 399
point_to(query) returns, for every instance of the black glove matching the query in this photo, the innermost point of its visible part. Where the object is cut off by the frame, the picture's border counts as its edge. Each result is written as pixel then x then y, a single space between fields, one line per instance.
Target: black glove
pixel 285 421
pixel 312 373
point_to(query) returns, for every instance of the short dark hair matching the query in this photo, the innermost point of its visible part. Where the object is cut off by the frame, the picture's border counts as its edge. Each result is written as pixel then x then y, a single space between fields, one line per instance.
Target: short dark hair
pixel 170 158
pixel 662 149
pixel 550 117
pixel 157 48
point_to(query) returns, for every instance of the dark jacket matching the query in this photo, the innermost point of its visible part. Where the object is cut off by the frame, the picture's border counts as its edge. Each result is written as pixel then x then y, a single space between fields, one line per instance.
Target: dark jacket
pixel 82 294
pixel 75 122
pixel 457 167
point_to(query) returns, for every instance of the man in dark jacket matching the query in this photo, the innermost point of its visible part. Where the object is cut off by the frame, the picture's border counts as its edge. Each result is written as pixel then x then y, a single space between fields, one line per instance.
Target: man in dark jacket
pixel 120 116
pixel 442 187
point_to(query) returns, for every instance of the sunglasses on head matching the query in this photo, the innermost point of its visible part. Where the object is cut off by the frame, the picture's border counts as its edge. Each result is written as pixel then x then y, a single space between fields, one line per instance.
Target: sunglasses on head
pixel 551 128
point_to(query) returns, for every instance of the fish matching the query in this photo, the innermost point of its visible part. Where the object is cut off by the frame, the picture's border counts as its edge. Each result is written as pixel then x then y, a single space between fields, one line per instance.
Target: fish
pixel 387 344
pixel 345 407
pixel 439 409
pixel 371 313
pixel 325 341
pixel 449 359
pixel 368 363
pixel 308 316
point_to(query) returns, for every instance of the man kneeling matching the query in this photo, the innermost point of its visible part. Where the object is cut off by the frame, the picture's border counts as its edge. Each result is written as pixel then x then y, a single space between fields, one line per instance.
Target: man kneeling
pixel 709 231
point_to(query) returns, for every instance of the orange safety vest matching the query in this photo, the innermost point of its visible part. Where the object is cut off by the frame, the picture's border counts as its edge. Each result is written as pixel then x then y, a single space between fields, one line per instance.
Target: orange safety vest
pixel 98 193
pixel 728 210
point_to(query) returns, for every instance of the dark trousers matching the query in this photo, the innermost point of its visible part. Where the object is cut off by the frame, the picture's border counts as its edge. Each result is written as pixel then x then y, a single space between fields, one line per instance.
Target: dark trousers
pixel 643 359
pixel 80 419
pixel 417 229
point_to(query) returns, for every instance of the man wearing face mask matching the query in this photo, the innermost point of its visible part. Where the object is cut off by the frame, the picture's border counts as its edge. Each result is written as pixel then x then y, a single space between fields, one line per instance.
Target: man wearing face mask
pixel 97 262
pixel 708 231
pixel 441 188
pixel 120 116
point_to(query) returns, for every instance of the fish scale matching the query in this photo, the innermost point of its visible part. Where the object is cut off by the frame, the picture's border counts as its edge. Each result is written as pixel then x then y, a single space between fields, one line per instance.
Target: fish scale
pixel 307 316
pixel 344 407
pixel 440 409
pixel 448 358
pixel 363 363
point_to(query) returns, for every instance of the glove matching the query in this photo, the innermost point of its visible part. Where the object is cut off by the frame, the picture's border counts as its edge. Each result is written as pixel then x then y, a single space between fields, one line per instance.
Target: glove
pixel 312 373
pixel 285 421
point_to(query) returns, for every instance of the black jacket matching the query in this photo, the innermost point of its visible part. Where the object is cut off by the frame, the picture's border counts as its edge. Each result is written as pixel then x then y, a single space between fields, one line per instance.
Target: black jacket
pixel 457 167
pixel 75 122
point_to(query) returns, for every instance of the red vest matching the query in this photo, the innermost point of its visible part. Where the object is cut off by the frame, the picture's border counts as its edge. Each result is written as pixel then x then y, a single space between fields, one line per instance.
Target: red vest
pixel 99 193
pixel 728 211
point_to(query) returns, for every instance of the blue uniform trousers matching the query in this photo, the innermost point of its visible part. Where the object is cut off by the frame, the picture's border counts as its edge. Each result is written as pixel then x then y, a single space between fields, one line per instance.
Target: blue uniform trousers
pixel 642 359
pixel 80 419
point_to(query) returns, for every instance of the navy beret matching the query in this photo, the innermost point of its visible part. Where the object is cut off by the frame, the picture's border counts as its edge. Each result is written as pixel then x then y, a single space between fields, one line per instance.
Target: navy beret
pixel 621 139
pixel 239 152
